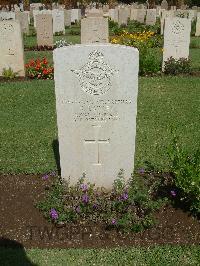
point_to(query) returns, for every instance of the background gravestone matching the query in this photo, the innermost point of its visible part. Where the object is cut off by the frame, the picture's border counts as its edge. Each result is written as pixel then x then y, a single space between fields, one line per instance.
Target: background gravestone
pixel 58 21
pixel 75 15
pixel 94 30
pixel 44 28
pixel 23 20
pixel 123 16
pixel 197 33
pixel 176 38
pixel 141 15
pixel 67 15
pixel 164 5
pixel 11 47
pixel 134 14
pixel 96 101
pixel 151 17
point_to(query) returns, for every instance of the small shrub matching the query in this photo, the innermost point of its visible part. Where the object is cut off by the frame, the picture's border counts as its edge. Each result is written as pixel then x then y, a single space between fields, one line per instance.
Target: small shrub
pixel 127 206
pixel 149 64
pixel 8 73
pixel 179 66
pixel 186 175
pixel 74 32
pixel 193 27
pixel 62 43
pixel 39 69
pixel 59 33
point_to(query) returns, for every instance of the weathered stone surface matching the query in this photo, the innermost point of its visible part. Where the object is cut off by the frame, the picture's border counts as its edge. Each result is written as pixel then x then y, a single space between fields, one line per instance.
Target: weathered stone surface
pixel 197 33
pixel 164 5
pixel 123 16
pixel 96 101
pixel 134 14
pixel 44 28
pixel 95 13
pixel 176 38
pixel 141 15
pixel 75 15
pixel 67 15
pixel 23 20
pixel 94 30
pixel 58 21
pixel 11 47
pixel 151 17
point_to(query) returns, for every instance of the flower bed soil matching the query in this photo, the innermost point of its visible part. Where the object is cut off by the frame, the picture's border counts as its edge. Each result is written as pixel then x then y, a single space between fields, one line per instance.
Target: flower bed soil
pixel 22 222
pixel 39 48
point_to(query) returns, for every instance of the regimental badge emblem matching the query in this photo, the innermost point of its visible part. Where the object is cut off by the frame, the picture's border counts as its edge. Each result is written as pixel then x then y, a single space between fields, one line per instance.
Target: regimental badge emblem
pixel 95 76
pixel 177 27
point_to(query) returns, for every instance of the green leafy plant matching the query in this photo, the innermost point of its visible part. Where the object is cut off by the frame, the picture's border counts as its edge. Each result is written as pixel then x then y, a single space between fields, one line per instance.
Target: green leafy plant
pixel 177 66
pixel 75 32
pixel 149 63
pixel 193 27
pixel 127 206
pixel 185 168
pixel 59 33
pixel 8 73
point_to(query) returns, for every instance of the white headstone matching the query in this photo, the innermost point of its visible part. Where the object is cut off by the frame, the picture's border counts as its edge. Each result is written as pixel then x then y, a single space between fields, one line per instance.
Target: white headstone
pixel 141 15
pixel 93 12
pixel 94 30
pixel 112 14
pixel 165 14
pixel 151 17
pixel 123 16
pixel 176 38
pixel 96 101
pixel 58 21
pixel 164 5
pixel 23 20
pixel 67 14
pixel 75 15
pixel 197 33
pixel 134 14
pixel 11 47
pixel 192 14
pixel 44 28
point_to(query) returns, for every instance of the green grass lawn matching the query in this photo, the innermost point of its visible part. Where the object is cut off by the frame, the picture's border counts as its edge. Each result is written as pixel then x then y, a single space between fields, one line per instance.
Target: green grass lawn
pixel 28 122
pixel 154 256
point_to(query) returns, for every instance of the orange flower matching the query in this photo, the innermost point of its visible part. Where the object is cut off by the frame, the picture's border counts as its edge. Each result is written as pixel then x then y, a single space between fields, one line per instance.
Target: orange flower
pixel 45 62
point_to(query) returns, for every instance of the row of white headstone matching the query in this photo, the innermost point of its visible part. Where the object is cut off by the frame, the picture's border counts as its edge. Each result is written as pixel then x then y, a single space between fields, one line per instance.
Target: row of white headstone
pixel 93 30
pixel 62 18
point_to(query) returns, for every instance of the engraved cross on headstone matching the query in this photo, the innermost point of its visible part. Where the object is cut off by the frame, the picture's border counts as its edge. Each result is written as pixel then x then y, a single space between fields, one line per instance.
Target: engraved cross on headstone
pixel 96 141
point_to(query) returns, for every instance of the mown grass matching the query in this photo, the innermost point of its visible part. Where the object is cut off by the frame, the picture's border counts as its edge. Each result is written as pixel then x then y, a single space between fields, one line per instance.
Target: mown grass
pixel 28 122
pixel 158 255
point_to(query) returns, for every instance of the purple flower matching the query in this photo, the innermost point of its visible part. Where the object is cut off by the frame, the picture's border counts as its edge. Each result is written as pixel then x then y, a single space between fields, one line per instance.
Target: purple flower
pixel 141 171
pixel 84 187
pixel 113 221
pixel 45 177
pixel 85 198
pixel 124 196
pixel 53 173
pixel 95 206
pixel 173 193
pixel 78 209
pixel 53 214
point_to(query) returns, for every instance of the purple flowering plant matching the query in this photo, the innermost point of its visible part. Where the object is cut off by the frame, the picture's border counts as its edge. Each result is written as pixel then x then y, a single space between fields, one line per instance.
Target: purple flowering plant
pixel 116 207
